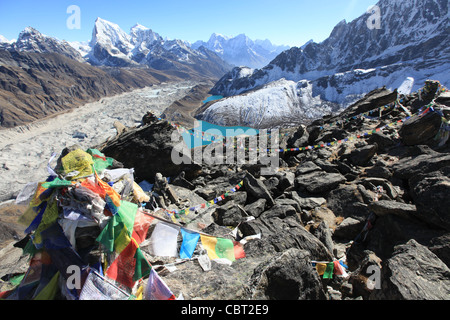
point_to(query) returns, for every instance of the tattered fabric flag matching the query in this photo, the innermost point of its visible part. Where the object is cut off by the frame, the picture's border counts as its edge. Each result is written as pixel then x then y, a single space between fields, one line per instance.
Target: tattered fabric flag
pixel 27 193
pixel 50 290
pixel 142 223
pixel 190 240
pixel 49 218
pixel 100 161
pixel 29 284
pixel 329 271
pixel 339 269
pixel 220 248
pixel 238 250
pixel 129 266
pixel 163 241
pixel 127 212
pixel 77 161
pixel 115 236
pixel 157 289
pixel 98 288
pixel 118 232
pixel 57 183
pixel 109 191
pixel 60 250
pixel 321 267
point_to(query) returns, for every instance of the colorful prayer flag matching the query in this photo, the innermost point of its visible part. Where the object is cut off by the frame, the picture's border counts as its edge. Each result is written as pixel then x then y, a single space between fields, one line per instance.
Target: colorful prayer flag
pixel 163 241
pixel 328 274
pixel 129 266
pixel 221 248
pixel 157 289
pixel 190 240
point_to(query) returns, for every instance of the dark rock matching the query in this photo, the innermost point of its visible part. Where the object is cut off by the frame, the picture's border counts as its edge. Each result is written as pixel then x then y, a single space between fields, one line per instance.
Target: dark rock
pixel 319 182
pixel 181 181
pixel 279 211
pixel 431 195
pixel 440 246
pixel 372 100
pixel 257 189
pixel 384 207
pixel 306 167
pixel 391 230
pixel 323 232
pixel 347 201
pixel 413 273
pixel 420 129
pixel 306 202
pixel 362 156
pixel 148 150
pixel 379 170
pixel 272 184
pixel 348 229
pixel 361 278
pixel 327 166
pixel 286 180
pixel 229 215
pixel 299 138
pixel 294 235
pixel 287 276
pixel 256 208
pixel 345 168
pixel 382 140
pixel 421 164
pixel 371 183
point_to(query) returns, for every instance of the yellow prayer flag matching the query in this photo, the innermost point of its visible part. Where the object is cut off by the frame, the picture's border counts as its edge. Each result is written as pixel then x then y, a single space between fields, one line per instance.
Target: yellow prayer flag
pixel 209 243
pixel 321 267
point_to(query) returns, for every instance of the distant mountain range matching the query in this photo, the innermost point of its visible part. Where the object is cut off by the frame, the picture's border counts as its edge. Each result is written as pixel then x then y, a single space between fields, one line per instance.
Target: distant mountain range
pixel 241 50
pixel 41 75
pixel 410 47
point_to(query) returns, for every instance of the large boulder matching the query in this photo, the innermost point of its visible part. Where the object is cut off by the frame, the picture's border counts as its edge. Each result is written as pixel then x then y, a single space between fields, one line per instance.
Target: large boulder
pixel 413 273
pixel 148 149
pixel 257 189
pixel 319 182
pixel 420 129
pixel 425 163
pixel 287 276
pixel 431 195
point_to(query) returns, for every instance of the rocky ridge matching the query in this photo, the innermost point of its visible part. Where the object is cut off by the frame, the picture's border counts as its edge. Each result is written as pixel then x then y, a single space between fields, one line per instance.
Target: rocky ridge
pixel 378 202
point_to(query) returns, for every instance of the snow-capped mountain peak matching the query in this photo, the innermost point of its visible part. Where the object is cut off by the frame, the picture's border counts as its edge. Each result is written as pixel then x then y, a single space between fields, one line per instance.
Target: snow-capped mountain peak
pixel 409 47
pixel 241 50
pixel 31 40
pixel 3 39
pixel 109 33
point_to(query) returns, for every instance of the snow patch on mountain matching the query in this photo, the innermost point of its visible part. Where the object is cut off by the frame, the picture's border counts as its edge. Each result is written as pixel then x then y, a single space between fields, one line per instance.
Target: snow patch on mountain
pixel 279 103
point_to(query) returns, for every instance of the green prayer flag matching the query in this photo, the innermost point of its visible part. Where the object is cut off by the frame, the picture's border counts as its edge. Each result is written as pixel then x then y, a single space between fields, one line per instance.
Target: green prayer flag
pixel 115 236
pixel 225 249
pixel 50 290
pixel 142 267
pixel 127 212
pixel 328 274
pixel 57 183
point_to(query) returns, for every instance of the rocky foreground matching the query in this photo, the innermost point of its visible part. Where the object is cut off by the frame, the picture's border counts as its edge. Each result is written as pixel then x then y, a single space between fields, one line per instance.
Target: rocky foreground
pixel 372 191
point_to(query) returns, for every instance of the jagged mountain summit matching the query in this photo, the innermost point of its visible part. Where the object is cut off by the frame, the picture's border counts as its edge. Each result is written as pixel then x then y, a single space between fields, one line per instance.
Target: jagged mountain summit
pixel 241 50
pixel 31 40
pixel 411 45
pixel 113 47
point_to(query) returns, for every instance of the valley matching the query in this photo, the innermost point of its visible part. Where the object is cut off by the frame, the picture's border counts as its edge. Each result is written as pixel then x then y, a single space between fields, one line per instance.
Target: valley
pixel 27 149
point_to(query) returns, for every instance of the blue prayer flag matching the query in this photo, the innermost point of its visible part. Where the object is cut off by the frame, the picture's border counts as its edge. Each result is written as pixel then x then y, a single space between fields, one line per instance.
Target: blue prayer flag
pixel 189 243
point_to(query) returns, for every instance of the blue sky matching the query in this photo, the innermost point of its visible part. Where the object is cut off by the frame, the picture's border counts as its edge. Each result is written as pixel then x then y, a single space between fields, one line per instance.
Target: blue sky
pixel 289 22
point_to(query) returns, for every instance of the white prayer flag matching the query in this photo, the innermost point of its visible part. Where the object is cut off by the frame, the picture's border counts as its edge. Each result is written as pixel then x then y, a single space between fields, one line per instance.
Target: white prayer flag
pixel 163 241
